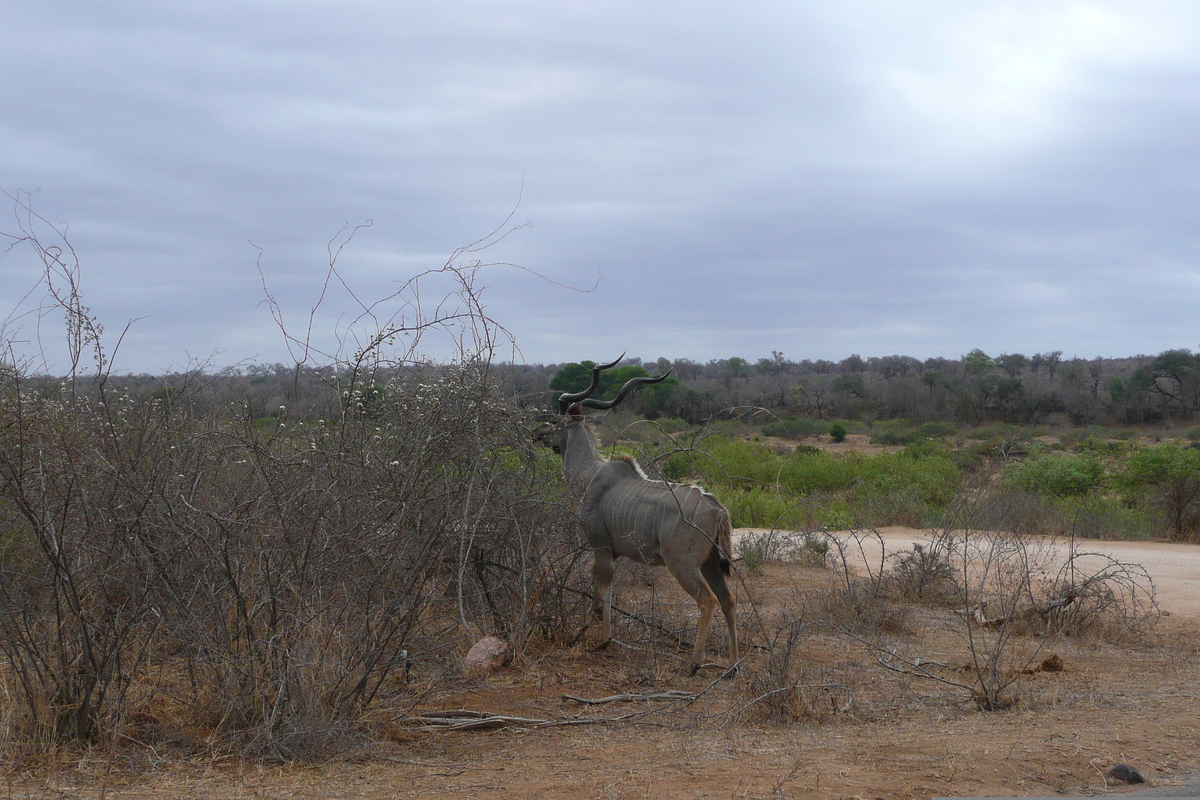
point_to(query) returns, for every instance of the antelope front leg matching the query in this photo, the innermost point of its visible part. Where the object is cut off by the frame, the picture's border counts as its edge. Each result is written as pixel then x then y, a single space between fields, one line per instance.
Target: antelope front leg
pixel 602 576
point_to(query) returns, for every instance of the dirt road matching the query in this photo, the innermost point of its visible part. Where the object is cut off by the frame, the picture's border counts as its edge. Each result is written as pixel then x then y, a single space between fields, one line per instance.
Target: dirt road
pixel 1174 568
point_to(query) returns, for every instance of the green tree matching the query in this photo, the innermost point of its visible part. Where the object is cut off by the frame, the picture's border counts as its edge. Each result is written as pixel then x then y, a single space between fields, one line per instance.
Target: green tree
pixel 773 365
pixel 1173 375
pixel 656 397
pixel 576 377
pixel 573 377
pixel 1011 363
pixel 978 362
pixel 1168 474
pixel 737 367
pixel 837 431
pixel 853 363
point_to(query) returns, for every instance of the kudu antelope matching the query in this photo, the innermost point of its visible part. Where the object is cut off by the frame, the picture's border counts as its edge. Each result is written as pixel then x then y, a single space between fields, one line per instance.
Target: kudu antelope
pixel 653 522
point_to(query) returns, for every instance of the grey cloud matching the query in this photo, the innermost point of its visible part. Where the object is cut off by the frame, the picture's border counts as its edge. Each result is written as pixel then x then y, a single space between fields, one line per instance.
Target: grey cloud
pixel 743 180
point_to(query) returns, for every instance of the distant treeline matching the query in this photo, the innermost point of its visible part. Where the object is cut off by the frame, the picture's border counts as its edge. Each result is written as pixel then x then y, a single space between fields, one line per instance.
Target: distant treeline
pixel 974 389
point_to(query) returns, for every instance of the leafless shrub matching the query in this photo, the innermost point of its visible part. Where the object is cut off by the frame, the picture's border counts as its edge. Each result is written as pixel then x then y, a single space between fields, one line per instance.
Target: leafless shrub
pixel 924 573
pixel 1013 509
pixel 808 548
pixel 859 602
pixel 898 506
pixel 286 573
pixel 77 618
pixel 1096 595
pixel 780 687
pixel 1011 593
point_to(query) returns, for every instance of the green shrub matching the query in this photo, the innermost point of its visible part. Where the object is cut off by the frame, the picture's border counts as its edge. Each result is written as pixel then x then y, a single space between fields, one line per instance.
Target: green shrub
pixel 897 432
pixel 1100 517
pixel 806 473
pixel 923 448
pixel 672 424
pixel 996 431
pixel 762 489
pixel 837 432
pixel 798 428
pixel 740 463
pixel 839 518
pixel 1103 447
pixel 891 432
pixel 726 462
pixel 934 479
pixel 1057 474
pixel 762 508
pixel 680 465
pixel 936 430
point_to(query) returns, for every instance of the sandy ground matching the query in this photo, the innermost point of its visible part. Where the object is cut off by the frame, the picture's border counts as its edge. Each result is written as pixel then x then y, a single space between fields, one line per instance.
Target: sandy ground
pixel 1175 568
pixel 860 731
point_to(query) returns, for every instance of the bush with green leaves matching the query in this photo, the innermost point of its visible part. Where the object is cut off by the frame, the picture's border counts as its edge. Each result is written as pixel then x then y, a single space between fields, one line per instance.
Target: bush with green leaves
pixel 837 432
pixel 814 487
pixel 996 431
pixel 891 431
pixel 1101 446
pixel 765 508
pixel 935 430
pixel 807 473
pixel 934 478
pixel 725 461
pixel 798 428
pixel 900 489
pixel 1058 474
pixel 898 432
pixel 1167 477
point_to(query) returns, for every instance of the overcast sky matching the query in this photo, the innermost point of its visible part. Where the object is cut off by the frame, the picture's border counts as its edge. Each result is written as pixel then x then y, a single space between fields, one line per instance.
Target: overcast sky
pixel 693 180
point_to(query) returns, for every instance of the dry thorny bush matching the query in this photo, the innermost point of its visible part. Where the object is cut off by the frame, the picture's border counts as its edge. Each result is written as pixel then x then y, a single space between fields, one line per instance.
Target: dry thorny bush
pixel 289 572
pixel 169 564
pixel 1004 594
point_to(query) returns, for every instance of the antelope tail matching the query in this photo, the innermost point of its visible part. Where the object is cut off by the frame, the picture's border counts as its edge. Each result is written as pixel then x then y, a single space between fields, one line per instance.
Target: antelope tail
pixel 725 540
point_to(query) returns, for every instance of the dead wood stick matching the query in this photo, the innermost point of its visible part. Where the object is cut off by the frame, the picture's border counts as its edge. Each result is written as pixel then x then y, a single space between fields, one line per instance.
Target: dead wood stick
pixel 625 697
pixel 464 720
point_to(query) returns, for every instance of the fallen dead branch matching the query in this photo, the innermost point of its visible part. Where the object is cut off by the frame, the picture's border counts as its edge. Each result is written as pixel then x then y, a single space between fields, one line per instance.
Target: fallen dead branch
pixel 625 697
pixel 465 719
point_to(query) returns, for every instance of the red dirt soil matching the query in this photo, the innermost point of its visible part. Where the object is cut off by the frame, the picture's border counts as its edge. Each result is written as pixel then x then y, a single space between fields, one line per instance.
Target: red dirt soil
pixel 863 731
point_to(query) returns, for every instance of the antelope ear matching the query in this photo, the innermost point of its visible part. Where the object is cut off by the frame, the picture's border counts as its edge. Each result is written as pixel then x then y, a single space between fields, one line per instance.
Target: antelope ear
pixel 575 410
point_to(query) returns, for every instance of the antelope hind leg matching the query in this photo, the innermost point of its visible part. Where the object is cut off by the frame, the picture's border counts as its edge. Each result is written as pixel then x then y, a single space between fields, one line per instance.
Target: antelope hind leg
pixel 715 577
pixel 602 577
pixel 708 604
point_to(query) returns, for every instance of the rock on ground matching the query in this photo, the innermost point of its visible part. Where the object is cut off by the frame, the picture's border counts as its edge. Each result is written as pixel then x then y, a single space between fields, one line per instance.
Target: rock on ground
pixel 486 656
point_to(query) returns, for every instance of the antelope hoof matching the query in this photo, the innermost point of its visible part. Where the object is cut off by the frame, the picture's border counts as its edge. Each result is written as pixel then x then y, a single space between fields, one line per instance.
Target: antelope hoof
pixel 602 646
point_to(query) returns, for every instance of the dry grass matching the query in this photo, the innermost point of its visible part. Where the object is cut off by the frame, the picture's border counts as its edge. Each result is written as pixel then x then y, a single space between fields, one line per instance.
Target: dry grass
pixel 847 727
